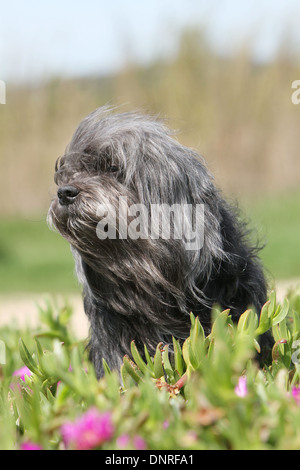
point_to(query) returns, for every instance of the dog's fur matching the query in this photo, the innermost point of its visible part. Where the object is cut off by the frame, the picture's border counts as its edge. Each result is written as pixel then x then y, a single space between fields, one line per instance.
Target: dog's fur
pixel 144 289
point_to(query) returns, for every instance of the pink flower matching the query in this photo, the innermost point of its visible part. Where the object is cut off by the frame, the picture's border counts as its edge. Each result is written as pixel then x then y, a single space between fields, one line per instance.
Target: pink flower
pixel 139 443
pixel 136 443
pixel 241 388
pixel 296 394
pixel 22 372
pixel 123 441
pixel 89 431
pixel 28 445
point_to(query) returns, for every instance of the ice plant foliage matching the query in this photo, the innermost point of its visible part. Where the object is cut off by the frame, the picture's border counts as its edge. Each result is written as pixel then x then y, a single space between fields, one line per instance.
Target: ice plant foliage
pixel 190 395
pixel 89 431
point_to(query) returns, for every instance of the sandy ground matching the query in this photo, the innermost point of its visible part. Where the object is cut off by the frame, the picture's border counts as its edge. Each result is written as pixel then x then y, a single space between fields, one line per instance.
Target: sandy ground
pixel 21 309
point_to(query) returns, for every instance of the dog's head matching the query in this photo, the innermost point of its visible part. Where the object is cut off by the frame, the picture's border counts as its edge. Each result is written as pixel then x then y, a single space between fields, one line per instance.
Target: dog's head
pixel 109 156
pixel 116 162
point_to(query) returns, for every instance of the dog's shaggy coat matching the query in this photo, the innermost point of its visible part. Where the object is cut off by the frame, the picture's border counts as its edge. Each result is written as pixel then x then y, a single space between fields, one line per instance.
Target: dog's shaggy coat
pixel 144 289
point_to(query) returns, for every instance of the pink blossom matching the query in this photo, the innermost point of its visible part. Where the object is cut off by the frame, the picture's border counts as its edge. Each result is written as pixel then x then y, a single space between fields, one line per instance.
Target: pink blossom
pixel 28 445
pixel 89 431
pixel 296 394
pixel 241 388
pixel 123 441
pixel 139 443
pixel 22 372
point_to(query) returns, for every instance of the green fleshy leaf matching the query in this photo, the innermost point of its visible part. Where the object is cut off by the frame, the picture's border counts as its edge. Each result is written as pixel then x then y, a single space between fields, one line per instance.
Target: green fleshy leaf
pixel 282 312
pixel 158 367
pixel 131 369
pixel 178 359
pixel 138 358
pixel 27 359
pixel 264 320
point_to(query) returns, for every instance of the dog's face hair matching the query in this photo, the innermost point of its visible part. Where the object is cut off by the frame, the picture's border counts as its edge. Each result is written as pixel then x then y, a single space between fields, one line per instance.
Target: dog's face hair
pixel 144 289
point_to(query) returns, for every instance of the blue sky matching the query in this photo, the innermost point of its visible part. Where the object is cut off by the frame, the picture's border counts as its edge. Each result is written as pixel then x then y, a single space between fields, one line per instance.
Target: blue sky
pixel 80 37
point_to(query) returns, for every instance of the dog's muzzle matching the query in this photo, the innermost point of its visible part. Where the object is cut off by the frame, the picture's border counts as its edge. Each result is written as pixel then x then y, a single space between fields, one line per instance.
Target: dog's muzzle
pixel 67 195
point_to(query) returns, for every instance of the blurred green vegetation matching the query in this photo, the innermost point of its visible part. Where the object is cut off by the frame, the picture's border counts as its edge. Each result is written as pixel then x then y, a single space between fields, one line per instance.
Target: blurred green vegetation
pixel 205 394
pixel 236 113
pixel 34 258
pixel 278 225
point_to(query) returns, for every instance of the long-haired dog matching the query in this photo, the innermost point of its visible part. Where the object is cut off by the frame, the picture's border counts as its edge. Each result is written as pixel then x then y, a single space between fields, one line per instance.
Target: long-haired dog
pixel 139 284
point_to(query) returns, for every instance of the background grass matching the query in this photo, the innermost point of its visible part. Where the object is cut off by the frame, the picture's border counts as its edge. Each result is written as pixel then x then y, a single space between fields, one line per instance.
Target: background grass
pixel 34 258
pixel 278 223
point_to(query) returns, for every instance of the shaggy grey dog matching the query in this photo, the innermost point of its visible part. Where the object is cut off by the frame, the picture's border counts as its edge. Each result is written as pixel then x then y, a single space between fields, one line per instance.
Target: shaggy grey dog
pixel 143 287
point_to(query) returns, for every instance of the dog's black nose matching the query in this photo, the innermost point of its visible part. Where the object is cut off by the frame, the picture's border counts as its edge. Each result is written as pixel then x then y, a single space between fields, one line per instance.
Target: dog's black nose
pixel 67 195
